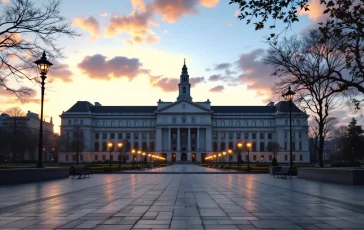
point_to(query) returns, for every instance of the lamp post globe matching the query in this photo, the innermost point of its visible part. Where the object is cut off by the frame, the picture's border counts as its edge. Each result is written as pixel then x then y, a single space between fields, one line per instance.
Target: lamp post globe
pixel 248 145
pixel 120 146
pixel 110 145
pixel 43 65
pixel 288 96
pixel 240 147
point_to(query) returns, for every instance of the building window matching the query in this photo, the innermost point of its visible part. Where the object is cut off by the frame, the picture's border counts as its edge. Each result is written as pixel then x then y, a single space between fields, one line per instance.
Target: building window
pixel 285 145
pixel 285 157
pixel 81 135
pixel 136 136
pixel 193 120
pixel 81 122
pixel 254 157
pixel 254 136
pixel 105 123
pixel 293 157
pixel 292 122
pixel 270 136
pixel 230 136
pixel 97 147
pixel 261 123
pixel 214 147
pixel 261 146
pixel 262 157
pixel 237 136
pixel 66 157
pixel 286 122
pixel 75 122
pixel 128 136
pixel 270 157
pixel 285 134
pixel 184 120
pixel 104 146
pixel 269 123
pixel 120 123
pixel 104 136
pixel 152 135
pixel 136 123
pixel 261 135
pixel 97 123
pixel 238 123
pixel 144 123
pixel 222 123
pixel 254 123
pixel 300 146
pixel 97 136
pixel 301 158
pixel 103 157
pixel 152 123
pixel 245 123
pixel 298 122
pixel 222 135
pixel 174 120
pixel 300 134
pixel 128 123
pixel 112 123
pixel 230 123
pixel 214 123
pixel 112 135
pixel 293 146
pixel 120 136
pixel 246 136
pixel 214 135
pixel 69 123
pixel 144 135
pixel 96 157
pixel 254 147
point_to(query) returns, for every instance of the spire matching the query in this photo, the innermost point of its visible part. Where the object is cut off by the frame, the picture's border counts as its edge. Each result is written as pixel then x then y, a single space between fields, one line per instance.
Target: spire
pixel 184 68
pixel 184 85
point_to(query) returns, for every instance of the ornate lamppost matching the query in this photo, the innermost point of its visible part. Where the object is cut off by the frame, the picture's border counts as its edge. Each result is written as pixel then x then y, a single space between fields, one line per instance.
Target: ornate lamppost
pixel 230 152
pixel 110 145
pixel 132 155
pixel 289 96
pixel 43 65
pixel 248 145
pixel 120 146
pixel 224 155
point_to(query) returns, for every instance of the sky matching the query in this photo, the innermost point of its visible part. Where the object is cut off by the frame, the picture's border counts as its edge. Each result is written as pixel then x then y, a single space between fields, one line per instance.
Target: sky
pixel 131 52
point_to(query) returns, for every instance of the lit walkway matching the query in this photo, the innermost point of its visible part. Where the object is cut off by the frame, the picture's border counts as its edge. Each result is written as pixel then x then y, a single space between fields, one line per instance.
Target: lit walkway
pixel 185 168
pixel 178 201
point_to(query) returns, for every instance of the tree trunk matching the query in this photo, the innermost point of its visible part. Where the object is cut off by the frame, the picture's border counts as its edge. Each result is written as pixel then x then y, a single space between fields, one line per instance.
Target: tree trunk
pixel 321 143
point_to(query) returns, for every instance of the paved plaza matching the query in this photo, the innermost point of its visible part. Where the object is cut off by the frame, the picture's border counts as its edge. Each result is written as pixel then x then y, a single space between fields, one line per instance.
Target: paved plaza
pixel 181 201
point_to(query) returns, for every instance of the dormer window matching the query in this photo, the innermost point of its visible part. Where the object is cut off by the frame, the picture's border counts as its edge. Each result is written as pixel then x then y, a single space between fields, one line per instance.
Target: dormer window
pixel 184 120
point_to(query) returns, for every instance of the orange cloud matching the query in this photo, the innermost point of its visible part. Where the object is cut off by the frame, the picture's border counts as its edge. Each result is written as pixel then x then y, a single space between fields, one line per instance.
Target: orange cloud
pixel 61 72
pixel 209 3
pixel 217 89
pixel 316 11
pixel 105 14
pixel 237 12
pixel 89 24
pixel 173 10
pixel 230 24
pixel 139 5
pixel 152 39
pixel 164 83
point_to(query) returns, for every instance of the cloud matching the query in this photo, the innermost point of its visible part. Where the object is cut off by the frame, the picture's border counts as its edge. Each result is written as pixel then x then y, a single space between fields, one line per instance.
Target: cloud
pixel 229 25
pixel 61 72
pixel 173 10
pixel 255 73
pixel 98 67
pixel 164 83
pixel 222 66
pixel 315 11
pixel 215 77
pixel 217 89
pixel 105 14
pixel 139 5
pixel 89 24
pixel 196 80
pixel 209 3
pixel 152 39
pixel 236 13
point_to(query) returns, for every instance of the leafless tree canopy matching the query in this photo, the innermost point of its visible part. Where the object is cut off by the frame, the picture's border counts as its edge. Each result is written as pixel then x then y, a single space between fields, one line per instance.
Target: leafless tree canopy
pixel 26 30
pixel 306 65
pixel 15 112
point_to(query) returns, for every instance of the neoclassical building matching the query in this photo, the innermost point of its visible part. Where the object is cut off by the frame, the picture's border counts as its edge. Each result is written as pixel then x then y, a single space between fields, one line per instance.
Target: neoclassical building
pixel 183 130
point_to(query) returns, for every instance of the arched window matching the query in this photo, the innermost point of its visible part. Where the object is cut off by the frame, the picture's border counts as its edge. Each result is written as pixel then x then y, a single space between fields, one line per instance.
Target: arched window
pixel 184 90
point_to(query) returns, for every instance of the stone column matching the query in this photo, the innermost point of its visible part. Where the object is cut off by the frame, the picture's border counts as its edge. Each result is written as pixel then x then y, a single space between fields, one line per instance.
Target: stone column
pixel 208 140
pixel 189 140
pixel 158 139
pixel 132 141
pixel 169 140
pixel 178 140
pixel 226 141
pixel 258 142
pixel 234 141
pixel 140 140
pixel 198 140
pixel 218 141
pixel 148 141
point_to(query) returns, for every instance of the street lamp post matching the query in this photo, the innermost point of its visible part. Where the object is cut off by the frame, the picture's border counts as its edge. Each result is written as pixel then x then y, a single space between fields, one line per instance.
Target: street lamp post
pixel 230 152
pixel 248 145
pixel 215 158
pixel 143 160
pixel 240 146
pixel 289 96
pixel 43 65
pixel 224 155
pixel 110 145
pixel 120 146
pixel 132 155
pixel 219 157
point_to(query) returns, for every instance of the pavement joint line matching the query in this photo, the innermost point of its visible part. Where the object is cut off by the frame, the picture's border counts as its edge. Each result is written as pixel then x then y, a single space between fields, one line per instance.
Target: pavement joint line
pixel 10 207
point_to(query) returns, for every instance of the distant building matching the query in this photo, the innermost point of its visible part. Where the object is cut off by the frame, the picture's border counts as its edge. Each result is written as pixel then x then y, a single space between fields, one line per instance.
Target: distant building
pixel 184 130
pixel 19 137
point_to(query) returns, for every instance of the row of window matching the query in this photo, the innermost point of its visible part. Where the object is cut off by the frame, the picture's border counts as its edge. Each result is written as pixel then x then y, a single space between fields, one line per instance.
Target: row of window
pixel 297 122
pixel 238 135
pixel 121 135
pixel 127 147
pixel 262 147
pixel 286 133
pixel 113 123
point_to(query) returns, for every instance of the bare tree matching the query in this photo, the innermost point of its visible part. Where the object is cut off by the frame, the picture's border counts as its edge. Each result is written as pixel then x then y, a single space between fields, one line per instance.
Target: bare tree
pixel 305 65
pixel 26 30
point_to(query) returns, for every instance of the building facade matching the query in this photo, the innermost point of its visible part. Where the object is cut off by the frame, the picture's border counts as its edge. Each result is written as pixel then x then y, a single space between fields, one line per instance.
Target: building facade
pixel 183 130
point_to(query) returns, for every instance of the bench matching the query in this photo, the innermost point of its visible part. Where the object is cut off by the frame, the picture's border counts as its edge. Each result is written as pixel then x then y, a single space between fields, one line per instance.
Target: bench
pixel 285 171
pixel 80 171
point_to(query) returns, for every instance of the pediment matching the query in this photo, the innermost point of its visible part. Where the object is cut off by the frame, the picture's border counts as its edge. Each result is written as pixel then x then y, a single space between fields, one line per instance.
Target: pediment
pixel 184 106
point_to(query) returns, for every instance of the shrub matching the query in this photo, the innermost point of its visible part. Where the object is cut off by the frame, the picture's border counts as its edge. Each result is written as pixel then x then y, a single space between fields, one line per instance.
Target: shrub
pixel 274 162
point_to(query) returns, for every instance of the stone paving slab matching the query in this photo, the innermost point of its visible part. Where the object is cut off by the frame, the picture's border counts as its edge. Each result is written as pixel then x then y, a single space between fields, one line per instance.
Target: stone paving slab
pixel 181 201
